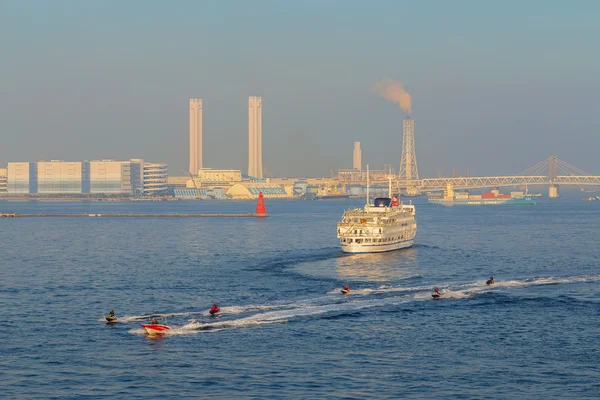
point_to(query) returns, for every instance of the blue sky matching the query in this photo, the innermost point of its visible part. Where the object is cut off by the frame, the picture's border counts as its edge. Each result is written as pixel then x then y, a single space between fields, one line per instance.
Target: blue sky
pixel 496 86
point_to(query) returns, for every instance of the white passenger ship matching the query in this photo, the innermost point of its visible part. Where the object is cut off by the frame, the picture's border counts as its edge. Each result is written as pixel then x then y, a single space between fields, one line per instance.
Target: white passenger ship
pixel 382 226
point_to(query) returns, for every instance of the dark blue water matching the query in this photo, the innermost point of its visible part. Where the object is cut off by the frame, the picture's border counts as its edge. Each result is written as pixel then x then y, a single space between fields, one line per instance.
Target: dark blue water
pixel 285 331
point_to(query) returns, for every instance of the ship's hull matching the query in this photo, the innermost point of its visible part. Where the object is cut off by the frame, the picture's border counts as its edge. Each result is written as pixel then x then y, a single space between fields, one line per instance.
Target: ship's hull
pixel 334 197
pixel 375 247
pixel 483 202
pixel 156 329
pixel 382 226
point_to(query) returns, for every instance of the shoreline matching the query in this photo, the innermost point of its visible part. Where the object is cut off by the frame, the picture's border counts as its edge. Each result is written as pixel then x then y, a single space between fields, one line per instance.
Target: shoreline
pixel 75 199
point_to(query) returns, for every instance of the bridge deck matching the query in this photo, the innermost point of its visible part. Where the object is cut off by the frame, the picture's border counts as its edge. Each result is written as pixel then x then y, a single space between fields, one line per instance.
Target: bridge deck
pixel 488 181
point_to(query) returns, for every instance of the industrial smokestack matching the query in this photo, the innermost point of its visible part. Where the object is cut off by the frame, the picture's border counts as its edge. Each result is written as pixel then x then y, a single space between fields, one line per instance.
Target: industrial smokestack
pixel 357 157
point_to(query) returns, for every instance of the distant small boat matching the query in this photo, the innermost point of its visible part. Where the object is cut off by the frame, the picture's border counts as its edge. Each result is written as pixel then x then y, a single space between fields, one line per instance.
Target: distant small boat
pixel 330 192
pixel 156 329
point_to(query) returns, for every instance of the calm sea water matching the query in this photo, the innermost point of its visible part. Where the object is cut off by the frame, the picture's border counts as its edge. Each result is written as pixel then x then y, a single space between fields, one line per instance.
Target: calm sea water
pixel 285 330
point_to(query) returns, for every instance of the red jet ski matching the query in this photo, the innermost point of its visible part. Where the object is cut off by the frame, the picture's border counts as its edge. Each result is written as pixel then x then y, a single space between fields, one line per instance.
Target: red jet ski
pixel 214 310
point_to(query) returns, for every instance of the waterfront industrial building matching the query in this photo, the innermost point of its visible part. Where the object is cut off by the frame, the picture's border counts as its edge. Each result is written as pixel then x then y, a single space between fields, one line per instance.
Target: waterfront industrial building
pixel 98 177
pixel 251 190
pixel 178 181
pixel 22 178
pixel 229 184
pixel 209 176
pixel 54 177
pixel 154 179
pixel 350 174
pixel 116 177
pixel 197 193
pixel 3 180
pixel 247 190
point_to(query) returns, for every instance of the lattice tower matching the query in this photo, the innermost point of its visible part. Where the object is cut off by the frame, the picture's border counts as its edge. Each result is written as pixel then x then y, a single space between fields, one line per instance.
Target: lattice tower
pixel 408 162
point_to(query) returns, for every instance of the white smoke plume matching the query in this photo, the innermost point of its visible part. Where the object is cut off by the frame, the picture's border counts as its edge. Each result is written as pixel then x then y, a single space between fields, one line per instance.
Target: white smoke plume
pixel 394 91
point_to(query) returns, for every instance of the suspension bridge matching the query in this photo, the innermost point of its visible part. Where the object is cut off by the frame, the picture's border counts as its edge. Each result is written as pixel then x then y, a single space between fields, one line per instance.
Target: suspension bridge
pixel 551 171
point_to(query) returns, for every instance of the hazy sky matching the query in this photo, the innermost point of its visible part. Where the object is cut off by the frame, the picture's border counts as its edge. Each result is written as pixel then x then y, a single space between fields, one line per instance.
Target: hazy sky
pixel 496 86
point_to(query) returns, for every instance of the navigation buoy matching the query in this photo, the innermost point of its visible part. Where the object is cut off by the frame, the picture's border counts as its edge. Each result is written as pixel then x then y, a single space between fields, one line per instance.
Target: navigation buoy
pixel 261 210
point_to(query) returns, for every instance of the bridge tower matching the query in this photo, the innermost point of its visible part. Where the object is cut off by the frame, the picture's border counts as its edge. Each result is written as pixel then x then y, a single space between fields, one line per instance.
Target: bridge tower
pixel 553 188
pixel 408 162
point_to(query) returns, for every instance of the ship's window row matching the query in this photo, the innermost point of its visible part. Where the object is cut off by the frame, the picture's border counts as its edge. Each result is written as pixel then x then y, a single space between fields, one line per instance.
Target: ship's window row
pixel 384 240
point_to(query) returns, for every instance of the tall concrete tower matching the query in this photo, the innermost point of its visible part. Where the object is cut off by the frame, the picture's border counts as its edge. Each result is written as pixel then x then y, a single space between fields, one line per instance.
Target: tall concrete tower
pixel 408 163
pixel 357 157
pixel 255 136
pixel 195 136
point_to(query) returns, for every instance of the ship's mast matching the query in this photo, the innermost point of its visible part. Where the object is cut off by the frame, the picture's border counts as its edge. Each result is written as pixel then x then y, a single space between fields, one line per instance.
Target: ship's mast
pixel 390 184
pixel 367 184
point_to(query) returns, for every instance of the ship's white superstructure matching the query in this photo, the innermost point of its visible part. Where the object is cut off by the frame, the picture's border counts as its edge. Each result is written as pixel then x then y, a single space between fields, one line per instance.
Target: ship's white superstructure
pixel 382 226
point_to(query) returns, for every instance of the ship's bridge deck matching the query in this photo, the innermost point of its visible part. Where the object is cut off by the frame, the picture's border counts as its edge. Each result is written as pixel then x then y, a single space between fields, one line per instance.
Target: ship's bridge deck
pixel 383 216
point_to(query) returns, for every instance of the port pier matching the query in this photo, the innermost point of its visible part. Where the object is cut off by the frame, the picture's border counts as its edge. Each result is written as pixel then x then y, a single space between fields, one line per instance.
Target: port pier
pixel 187 215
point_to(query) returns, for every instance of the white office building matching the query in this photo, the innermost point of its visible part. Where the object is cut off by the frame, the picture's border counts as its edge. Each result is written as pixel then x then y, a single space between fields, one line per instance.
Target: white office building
pixel 61 177
pixel 22 178
pixel 3 180
pixel 155 178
